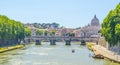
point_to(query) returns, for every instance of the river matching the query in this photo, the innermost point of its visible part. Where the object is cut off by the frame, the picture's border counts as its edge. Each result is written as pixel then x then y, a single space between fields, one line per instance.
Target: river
pixel 46 54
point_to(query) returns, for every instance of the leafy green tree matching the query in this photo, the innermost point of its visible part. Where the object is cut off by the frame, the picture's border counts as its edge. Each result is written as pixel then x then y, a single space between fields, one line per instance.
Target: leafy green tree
pixel 110 26
pixel 45 32
pixel 52 32
pixel 27 31
pixel 11 31
pixel 39 32
pixel 70 34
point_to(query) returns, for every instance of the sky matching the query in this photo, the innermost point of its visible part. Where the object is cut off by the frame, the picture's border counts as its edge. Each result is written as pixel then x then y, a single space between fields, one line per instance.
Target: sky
pixel 68 13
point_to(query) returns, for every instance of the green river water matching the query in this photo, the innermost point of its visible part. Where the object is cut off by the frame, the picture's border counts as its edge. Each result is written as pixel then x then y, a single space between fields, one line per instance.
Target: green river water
pixel 46 54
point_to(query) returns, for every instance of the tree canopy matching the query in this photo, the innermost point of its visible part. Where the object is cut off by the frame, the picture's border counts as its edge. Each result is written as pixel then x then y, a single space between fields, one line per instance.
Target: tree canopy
pixel 111 26
pixel 12 30
pixel 39 32
pixel 70 34
pixel 52 32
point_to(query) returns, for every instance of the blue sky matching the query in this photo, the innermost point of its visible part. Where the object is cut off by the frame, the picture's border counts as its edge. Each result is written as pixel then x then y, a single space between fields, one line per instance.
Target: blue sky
pixel 69 13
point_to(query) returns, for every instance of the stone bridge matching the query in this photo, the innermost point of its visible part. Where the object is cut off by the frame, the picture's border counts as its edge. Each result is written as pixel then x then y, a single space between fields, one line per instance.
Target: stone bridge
pixel 54 39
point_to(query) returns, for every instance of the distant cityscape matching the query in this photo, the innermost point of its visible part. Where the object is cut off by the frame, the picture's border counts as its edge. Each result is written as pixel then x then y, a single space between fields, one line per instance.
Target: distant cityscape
pixel 90 30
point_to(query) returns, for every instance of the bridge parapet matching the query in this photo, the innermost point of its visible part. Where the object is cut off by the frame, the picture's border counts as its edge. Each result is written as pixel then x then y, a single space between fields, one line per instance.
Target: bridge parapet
pixel 62 38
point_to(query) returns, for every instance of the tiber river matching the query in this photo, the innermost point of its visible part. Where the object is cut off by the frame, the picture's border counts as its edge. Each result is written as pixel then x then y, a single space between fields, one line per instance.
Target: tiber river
pixel 46 54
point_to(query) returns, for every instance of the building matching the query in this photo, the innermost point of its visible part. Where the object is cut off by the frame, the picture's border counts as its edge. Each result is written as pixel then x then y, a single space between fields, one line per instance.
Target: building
pixel 77 32
pixel 63 31
pixel 58 32
pixel 92 29
pixel 95 21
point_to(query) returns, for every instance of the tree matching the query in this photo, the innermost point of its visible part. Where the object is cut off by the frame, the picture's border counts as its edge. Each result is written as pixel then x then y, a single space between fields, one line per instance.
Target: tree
pixel 11 31
pixel 52 32
pixel 39 32
pixel 27 31
pixel 111 26
pixel 45 32
pixel 70 34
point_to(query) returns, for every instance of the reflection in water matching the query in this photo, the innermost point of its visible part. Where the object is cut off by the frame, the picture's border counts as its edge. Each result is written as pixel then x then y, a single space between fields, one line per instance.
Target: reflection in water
pixel 46 54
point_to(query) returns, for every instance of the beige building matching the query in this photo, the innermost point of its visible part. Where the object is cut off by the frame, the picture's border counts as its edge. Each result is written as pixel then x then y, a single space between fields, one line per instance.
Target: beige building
pixel 77 32
pixel 58 32
pixel 63 31
pixel 91 30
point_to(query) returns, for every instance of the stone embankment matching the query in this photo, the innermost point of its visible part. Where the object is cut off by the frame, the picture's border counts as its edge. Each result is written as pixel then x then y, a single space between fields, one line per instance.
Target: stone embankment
pixel 102 51
pixel 4 49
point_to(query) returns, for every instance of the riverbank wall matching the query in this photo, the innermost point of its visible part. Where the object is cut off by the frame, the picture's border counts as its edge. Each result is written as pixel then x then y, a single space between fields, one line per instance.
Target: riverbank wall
pixel 4 49
pixel 99 50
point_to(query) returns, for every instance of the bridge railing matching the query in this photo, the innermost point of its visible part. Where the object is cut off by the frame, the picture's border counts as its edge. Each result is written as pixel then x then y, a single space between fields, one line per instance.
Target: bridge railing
pixel 89 39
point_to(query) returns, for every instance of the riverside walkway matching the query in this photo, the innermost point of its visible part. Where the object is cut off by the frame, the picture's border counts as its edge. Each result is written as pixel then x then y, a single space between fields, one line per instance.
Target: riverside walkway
pixel 106 53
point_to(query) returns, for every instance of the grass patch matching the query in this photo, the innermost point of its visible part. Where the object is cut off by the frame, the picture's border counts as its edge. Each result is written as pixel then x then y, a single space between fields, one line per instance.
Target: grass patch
pixel 89 45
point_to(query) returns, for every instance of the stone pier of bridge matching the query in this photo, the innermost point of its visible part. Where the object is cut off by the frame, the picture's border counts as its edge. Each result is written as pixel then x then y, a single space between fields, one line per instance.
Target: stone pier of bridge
pixel 38 42
pixel 52 41
pixel 68 41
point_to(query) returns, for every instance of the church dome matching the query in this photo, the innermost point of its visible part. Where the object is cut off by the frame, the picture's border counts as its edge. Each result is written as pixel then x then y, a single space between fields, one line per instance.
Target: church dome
pixel 95 21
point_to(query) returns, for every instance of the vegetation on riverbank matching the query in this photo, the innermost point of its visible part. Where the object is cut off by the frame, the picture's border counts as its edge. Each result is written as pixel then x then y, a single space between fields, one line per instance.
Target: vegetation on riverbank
pixel 11 31
pixel 89 45
pixel 45 32
pixel 111 26
pixel 4 49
